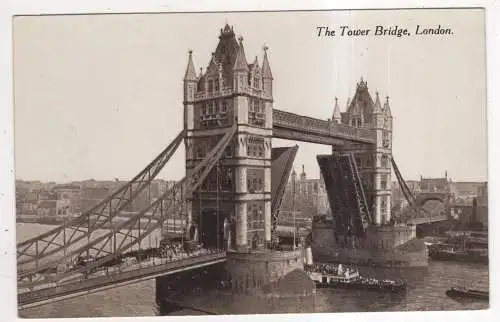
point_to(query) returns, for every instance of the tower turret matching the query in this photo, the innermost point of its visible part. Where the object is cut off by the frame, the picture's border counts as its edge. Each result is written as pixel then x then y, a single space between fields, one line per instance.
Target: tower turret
pixel 303 175
pixel 377 108
pixel 190 81
pixel 267 75
pixel 240 68
pixel 387 108
pixel 336 112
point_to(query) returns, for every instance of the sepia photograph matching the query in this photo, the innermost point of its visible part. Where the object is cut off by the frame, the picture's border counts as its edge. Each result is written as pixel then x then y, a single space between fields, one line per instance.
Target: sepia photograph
pixel 265 162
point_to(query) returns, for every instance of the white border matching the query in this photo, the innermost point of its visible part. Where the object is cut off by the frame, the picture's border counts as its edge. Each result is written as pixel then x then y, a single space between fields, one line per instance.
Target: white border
pixel 36 7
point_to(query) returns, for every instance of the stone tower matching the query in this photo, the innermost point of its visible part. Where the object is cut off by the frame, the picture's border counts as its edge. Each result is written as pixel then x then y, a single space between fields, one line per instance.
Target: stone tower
pixel 238 191
pixel 374 165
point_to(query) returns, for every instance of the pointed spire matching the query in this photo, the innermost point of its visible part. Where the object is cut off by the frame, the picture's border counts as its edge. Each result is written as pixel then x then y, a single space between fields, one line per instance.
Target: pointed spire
pixel 212 65
pixel 377 108
pixel 387 108
pixel 362 84
pixel 336 111
pixel 266 68
pixel 303 174
pixel 241 62
pixel 190 70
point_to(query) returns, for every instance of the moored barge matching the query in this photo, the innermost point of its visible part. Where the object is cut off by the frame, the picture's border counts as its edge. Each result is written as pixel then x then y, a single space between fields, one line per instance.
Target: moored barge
pixel 462 292
pixel 337 276
pixel 448 253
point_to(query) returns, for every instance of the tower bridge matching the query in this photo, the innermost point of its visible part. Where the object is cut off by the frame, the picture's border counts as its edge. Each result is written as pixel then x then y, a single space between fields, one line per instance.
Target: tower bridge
pixel 235 179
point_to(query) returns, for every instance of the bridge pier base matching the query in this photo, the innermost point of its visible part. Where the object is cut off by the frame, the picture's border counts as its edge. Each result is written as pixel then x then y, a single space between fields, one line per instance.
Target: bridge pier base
pixel 383 246
pixel 252 271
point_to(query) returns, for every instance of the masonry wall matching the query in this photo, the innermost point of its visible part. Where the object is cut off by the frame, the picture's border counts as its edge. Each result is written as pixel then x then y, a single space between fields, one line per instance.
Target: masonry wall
pixel 255 270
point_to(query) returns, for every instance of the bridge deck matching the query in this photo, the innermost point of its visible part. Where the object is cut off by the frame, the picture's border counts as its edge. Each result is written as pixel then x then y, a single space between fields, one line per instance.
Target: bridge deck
pixel 297 127
pixel 91 285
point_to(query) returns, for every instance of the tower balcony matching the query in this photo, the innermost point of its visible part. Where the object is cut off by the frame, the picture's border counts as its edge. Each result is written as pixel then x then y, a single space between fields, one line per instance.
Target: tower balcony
pixel 214 119
pixel 256 118
pixel 227 91
pixel 203 95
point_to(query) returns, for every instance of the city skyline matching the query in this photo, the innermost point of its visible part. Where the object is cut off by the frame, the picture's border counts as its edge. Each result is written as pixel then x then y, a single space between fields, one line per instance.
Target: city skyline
pixel 74 118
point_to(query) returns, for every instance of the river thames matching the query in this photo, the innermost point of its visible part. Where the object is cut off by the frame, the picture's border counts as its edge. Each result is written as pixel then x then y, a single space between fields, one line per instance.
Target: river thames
pixel 426 291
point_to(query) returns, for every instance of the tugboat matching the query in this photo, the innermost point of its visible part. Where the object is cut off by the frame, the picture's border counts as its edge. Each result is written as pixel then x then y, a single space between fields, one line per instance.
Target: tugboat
pixel 337 276
pixel 462 292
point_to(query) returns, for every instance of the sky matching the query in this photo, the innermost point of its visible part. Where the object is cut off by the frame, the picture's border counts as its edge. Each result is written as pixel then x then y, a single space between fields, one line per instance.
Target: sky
pixel 99 96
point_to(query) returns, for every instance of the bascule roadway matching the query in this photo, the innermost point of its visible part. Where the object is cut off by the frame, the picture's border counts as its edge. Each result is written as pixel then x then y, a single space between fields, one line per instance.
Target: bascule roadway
pixel 141 271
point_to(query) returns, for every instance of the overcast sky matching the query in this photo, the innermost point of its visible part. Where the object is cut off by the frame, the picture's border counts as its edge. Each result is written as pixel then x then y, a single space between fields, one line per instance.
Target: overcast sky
pixel 100 96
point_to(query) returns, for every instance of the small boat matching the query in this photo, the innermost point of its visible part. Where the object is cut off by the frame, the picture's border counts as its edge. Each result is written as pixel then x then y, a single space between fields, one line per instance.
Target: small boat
pixel 336 276
pixel 462 292
pixel 447 253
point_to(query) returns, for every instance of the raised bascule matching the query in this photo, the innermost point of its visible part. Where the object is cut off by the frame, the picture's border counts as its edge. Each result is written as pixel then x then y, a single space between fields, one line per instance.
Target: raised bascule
pixel 358 182
pixel 229 201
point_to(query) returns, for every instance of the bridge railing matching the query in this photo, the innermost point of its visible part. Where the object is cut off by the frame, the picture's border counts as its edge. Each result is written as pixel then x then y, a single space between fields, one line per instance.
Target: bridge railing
pixel 322 127
pixel 75 286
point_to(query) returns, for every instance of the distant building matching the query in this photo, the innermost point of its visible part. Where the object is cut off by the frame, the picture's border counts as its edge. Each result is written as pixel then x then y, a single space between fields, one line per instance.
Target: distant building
pixel 307 196
pixel 92 195
pixel 47 195
pixel 436 184
pixel 63 208
pixel 26 207
pixel 71 195
pixel 482 194
pixel 467 189
pixel 47 208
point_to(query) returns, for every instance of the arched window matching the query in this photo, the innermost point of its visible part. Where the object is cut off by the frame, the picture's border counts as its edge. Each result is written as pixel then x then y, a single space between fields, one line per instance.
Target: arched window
pixel 223 107
pixel 385 139
pixel 385 161
pixel 211 108
pixel 383 182
pixel 256 82
pixel 216 85
pixel 210 85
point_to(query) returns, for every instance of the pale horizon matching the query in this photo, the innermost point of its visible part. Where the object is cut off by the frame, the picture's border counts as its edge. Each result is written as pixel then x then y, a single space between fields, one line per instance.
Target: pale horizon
pixel 100 96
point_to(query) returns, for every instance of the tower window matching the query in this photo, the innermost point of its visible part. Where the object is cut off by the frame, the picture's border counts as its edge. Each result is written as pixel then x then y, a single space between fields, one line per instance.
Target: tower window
pixel 385 161
pixel 223 107
pixel 383 206
pixel 383 181
pixel 210 85
pixel 216 85
pixel 385 140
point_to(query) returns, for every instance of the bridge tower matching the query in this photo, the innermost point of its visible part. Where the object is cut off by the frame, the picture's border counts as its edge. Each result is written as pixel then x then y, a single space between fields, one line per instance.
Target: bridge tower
pixel 374 164
pixel 231 91
pixel 235 200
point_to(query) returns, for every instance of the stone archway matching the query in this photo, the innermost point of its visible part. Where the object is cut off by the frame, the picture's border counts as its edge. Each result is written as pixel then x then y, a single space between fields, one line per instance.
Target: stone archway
pixel 211 228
